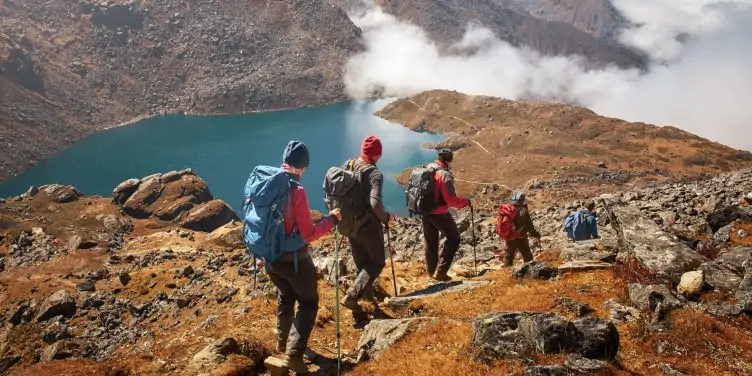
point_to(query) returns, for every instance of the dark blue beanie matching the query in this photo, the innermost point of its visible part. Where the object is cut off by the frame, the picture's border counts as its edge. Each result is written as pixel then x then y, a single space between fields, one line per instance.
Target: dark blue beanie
pixel 296 154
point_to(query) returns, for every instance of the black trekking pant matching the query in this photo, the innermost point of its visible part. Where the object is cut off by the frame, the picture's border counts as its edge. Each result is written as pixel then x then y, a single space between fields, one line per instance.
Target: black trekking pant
pixel 521 245
pixel 295 329
pixel 433 224
pixel 370 259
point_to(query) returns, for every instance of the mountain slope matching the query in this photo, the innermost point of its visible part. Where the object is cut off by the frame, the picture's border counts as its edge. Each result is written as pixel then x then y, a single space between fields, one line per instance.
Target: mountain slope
pixel 554 150
pixel 596 17
pixel 446 22
pixel 69 68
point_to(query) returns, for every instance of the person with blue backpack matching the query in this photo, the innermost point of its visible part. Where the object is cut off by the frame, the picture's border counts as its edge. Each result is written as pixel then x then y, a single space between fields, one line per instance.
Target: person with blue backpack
pixel 278 228
pixel 582 224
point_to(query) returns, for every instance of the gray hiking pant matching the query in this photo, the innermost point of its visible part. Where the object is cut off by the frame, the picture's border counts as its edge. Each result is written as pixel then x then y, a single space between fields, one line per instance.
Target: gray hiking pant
pixel 370 259
pixel 291 287
pixel 433 226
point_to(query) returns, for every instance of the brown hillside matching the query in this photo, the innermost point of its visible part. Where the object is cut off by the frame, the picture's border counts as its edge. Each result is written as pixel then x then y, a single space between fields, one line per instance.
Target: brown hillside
pixel 554 150
pixel 69 68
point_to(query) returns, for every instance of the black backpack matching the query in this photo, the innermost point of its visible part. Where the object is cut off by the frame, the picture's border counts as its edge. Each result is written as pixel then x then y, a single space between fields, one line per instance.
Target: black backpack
pixel 344 189
pixel 421 190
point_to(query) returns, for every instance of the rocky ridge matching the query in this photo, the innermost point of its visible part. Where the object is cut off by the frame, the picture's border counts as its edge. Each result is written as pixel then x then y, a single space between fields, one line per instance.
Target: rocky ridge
pixel 143 277
pixel 556 152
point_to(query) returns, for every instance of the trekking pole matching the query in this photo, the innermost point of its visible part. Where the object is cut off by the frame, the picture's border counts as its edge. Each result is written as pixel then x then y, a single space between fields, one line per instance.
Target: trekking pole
pixel 391 257
pixel 472 224
pixel 336 299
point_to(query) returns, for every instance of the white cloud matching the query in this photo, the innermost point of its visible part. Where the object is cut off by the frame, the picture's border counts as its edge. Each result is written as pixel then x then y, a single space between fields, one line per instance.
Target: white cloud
pixel 702 85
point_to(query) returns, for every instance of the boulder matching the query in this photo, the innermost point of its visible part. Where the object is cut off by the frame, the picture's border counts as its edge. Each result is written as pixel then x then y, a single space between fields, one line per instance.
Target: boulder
pixel 379 335
pixel 497 336
pixel 209 216
pixel 647 297
pixel 7 362
pixel 595 250
pixel 547 332
pixel 535 270
pixel 744 293
pixel 214 354
pixel 516 335
pixel 596 338
pixel 167 199
pixel 691 284
pixel 124 190
pixel 641 239
pixel 620 313
pixel 61 193
pixel 726 271
pixel 725 216
pixel 584 365
pixel 225 238
pixel 59 303
pixel 74 243
pixel 62 350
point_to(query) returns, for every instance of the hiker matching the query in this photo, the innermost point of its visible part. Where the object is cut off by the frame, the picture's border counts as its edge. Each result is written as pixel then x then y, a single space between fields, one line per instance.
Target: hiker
pixel 582 224
pixel 514 226
pixel 439 220
pixel 367 237
pixel 294 273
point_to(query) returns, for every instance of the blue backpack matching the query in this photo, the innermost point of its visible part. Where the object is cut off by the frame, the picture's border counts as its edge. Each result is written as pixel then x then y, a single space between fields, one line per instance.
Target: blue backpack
pixel 266 193
pixel 575 225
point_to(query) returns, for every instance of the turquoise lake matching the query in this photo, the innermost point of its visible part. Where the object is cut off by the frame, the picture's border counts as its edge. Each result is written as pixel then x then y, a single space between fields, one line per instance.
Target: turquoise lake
pixel 224 149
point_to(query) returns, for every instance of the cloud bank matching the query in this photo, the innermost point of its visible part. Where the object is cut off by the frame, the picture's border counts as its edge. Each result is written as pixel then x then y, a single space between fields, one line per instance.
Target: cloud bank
pixel 700 78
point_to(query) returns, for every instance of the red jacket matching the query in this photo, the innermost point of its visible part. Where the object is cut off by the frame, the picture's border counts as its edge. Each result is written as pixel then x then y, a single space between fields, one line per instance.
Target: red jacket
pixel 299 215
pixel 444 183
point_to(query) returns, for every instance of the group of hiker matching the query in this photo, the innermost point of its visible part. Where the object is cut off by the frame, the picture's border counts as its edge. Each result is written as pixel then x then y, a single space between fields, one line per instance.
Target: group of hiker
pixel 279 228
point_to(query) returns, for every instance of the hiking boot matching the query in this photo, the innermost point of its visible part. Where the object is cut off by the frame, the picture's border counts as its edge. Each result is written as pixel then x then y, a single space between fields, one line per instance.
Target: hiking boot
pixel 281 365
pixel 350 302
pixel 442 276
pixel 295 363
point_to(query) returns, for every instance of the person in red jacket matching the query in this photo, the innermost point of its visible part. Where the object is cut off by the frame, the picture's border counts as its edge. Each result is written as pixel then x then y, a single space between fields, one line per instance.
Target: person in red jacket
pixel 441 221
pixel 293 330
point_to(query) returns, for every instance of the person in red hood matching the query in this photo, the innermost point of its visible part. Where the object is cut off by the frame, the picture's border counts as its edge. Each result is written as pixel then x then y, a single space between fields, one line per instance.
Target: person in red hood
pixel 368 245
pixel 293 331
pixel 441 221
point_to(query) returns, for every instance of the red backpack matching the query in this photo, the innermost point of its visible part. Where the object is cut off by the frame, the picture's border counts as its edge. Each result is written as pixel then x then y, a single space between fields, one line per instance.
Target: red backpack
pixel 505 225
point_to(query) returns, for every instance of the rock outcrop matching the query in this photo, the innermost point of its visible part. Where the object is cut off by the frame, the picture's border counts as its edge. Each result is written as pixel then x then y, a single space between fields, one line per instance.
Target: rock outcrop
pixel 179 196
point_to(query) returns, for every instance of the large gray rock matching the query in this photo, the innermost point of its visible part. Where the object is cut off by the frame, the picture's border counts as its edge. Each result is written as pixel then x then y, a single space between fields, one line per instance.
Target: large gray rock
pixel 516 335
pixel 596 250
pixel 214 354
pixel 547 332
pixel 647 297
pixel 744 293
pixel 596 338
pixel 641 239
pixel 620 313
pixel 535 270
pixel 434 291
pixel 209 216
pixel 497 336
pixel 724 217
pixel 61 193
pixel 379 335
pixel 124 190
pixel 726 271
pixel 62 350
pixel 59 303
